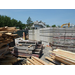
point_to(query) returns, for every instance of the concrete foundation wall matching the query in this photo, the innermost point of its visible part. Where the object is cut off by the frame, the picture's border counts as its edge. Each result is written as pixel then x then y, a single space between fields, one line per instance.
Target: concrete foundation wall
pixel 54 36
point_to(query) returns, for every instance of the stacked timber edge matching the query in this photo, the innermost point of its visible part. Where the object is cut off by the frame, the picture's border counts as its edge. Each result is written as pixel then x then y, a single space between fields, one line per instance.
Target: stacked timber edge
pixel 6 37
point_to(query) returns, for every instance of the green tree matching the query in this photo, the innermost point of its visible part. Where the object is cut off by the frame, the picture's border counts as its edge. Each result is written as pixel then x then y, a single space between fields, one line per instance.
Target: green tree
pixel 47 25
pixel 7 21
pixel 29 22
pixel 53 25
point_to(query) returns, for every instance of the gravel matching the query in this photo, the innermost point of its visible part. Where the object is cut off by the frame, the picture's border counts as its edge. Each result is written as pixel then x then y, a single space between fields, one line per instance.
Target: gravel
pixel 46 53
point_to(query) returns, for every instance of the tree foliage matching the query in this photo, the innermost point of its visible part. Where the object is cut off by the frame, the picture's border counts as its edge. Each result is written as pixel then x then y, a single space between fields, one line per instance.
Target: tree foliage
pixel 29 23
pixel 7 21
pixel 47 25
pixel 53 25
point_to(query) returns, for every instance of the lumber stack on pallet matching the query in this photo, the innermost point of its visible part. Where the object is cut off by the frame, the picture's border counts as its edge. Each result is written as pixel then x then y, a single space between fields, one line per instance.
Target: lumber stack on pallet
pixel 28 48
pixel 35 61
pixel 65 57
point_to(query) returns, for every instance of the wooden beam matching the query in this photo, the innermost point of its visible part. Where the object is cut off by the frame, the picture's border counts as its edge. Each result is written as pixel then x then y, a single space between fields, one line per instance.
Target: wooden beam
pixel 66 54
pixel 38 63
pixel 39 60
pixel 52 56
pixel 52 60
pixel 49 59
pixel 51 63
pixel 31 61
pixel 64 60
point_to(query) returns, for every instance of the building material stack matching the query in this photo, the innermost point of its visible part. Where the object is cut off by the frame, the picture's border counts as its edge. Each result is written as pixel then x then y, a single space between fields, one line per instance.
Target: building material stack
pixel 28 48
pixel 64 57
pixel 6 37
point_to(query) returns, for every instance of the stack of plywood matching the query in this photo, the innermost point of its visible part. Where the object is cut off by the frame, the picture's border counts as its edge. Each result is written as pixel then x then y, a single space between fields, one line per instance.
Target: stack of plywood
pixel 35 61
pixel 65 57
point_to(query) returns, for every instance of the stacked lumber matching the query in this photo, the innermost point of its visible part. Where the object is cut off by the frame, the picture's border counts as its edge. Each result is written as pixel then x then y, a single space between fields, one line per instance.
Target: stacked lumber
pixel 8 59
pixel 53 61
pixel 28 48
pixel 6 37
pixel 64 57
pixel 35 61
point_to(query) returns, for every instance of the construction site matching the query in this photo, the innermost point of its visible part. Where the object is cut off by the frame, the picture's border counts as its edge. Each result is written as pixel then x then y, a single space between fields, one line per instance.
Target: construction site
pixel 44 46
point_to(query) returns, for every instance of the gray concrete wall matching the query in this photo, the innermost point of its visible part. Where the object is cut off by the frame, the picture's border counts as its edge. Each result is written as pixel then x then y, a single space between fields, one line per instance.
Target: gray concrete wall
pixel 57 36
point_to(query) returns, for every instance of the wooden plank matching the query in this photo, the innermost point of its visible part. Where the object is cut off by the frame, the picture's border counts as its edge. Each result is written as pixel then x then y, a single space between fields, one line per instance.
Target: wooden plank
pixel 12 60
pixel 28 63
pixel 23 56
pixel 38 63
pixel 3 32
pixel 5 63
pixel 67 54
pixel 39 60
pixel 64 60
pixel 63 56
pixel 52 56
pixel 62 64
pixel 51 63
pixel 49 59
pixel 0 34
pixel 52 60
pixel 31 61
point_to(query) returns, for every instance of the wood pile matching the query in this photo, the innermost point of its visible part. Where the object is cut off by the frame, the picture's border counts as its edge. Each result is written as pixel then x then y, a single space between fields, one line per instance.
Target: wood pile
pixel 8 59
pixel 6 37
pixel 65 57
pixel 35 61
pixel 28 48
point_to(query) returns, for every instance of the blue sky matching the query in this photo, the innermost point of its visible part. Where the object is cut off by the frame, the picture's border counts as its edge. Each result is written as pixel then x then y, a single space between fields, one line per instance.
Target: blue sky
pixel 49 16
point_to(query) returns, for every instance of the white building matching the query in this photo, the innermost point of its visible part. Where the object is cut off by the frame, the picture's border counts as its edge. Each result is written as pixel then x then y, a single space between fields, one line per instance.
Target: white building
pixel 38 25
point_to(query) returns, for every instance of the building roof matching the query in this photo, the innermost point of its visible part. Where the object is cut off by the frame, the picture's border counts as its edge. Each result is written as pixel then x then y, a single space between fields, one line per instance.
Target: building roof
pixel 39 23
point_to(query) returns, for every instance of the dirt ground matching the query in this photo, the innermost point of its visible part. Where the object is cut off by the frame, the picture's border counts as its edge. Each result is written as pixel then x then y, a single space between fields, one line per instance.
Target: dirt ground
pixel 46 53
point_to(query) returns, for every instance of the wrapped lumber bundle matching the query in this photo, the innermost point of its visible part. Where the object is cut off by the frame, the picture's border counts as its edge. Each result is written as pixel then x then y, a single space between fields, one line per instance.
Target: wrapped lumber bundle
pixel 65 57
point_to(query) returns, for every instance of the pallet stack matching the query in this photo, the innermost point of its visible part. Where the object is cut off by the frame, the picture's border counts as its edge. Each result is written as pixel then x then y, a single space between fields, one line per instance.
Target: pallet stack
pixel 6 36
pixel 62 56
pixel 35 61
pixel 28 48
